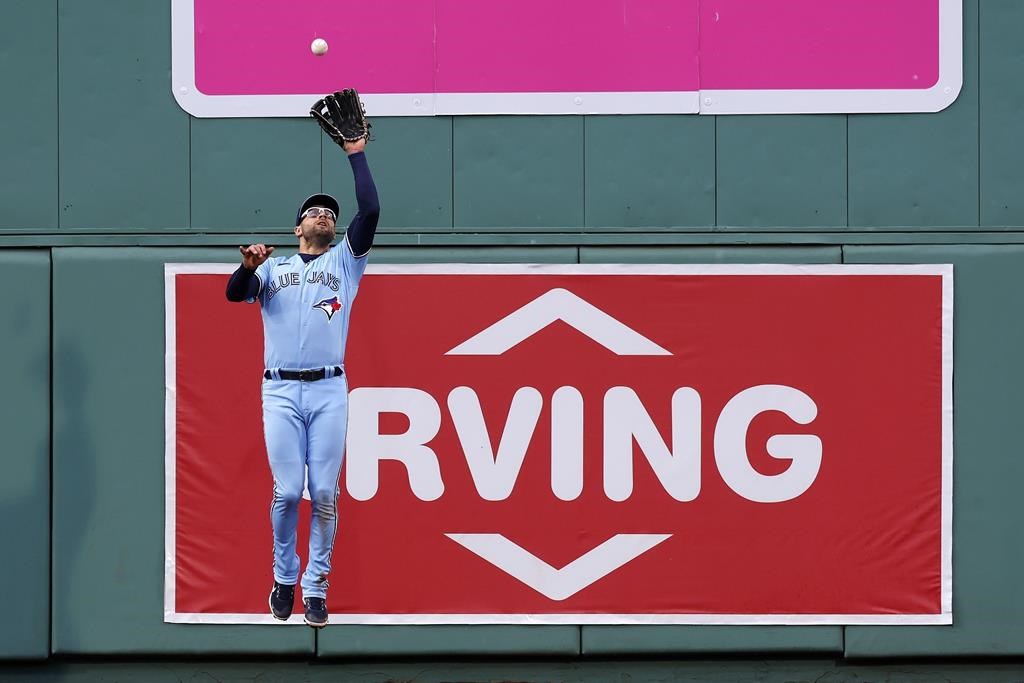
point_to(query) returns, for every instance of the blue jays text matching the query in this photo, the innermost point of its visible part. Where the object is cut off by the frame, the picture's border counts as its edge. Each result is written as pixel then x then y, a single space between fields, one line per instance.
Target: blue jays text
pixel 328 280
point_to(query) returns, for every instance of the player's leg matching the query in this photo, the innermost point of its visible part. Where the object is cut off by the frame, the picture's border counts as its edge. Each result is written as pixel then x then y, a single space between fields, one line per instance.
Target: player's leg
pixel 285 433
pixel 328 421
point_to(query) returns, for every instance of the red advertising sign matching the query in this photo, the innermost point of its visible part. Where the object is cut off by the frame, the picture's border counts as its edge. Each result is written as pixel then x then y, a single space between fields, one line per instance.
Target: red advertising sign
pixel 425 57
pixel 589 444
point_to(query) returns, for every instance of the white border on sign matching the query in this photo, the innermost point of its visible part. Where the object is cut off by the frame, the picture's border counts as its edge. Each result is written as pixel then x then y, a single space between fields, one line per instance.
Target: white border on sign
pixel 574 619
pixel 947 442
pixel 170 439
pixel 936 98
pixel 945 616
pixel 681 102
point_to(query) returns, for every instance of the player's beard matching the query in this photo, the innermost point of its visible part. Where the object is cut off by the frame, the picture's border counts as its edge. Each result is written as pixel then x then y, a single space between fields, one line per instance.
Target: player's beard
pixel 318 237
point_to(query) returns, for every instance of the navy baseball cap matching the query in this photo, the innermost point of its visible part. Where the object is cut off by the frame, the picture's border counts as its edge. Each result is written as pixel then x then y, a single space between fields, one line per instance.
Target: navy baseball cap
pixel 324 200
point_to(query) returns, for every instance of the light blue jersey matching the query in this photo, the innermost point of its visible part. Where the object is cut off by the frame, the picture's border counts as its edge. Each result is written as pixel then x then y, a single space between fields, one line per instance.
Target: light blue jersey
pixel 307 308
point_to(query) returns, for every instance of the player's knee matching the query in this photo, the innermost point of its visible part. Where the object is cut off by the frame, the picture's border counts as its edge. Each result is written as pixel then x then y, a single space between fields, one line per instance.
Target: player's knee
pixel 324 503
pixel 288 498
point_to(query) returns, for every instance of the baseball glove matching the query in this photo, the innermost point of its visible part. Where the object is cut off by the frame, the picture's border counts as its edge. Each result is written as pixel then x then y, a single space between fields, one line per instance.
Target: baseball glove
pixel 342 117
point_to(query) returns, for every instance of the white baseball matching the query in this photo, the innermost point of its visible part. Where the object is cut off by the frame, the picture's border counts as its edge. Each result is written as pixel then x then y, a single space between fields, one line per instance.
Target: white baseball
pixel 319 46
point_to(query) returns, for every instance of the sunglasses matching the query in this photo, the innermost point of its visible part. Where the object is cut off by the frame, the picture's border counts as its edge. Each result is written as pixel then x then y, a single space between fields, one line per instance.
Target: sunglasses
pixel 318 211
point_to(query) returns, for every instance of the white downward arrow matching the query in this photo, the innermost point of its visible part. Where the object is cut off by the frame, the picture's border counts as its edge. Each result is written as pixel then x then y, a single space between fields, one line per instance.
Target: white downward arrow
pixel 558 584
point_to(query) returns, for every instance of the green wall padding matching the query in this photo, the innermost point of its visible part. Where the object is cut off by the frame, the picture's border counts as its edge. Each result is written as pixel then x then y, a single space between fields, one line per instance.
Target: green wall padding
pixel 518 172
pixel 25 454
pixel 28 136
pixel 124 142
pixel 1001 112
pixel 252 174
pixel 649 171
pixel 781 171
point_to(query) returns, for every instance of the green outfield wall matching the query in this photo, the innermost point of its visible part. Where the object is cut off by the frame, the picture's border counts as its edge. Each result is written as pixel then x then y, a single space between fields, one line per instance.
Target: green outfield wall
pixel 104 179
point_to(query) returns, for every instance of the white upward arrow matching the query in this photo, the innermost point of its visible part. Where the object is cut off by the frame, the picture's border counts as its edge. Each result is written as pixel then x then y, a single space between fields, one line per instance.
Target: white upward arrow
pixel 558 304
pixel 558 584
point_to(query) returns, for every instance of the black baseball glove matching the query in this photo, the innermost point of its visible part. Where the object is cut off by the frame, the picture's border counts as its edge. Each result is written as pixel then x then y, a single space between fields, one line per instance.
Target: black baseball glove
pixel 342 117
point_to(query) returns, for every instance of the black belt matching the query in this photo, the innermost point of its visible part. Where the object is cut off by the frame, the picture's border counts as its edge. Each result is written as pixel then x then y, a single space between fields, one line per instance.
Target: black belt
pixel 303 375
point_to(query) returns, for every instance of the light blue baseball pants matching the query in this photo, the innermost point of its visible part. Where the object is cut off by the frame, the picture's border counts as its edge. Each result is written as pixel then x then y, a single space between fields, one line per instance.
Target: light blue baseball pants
pixel 304 424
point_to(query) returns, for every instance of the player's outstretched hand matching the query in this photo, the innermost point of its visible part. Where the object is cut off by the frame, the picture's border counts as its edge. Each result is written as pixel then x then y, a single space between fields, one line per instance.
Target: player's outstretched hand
pixel 255 254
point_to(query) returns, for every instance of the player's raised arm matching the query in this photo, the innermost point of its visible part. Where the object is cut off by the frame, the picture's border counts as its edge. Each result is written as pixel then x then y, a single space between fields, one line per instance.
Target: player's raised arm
pixel 364 224
pixel 341 116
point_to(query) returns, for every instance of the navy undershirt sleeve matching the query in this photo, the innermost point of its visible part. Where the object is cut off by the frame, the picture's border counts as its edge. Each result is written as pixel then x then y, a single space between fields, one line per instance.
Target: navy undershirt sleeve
pixel 243 285
pixel 364 224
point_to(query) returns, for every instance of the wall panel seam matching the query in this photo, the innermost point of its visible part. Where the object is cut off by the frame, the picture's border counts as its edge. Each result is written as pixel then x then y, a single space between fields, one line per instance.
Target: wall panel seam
pixel 847 170
pixel 584 174
pixel 49 545
pixel 715 170
pixel 451 119
pixel 978 77
pixel 56 4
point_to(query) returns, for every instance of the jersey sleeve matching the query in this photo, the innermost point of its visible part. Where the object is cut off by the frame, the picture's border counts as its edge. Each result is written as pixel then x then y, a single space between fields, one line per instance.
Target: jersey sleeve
pixel 263 275
pixel 353 266
pixel 242 285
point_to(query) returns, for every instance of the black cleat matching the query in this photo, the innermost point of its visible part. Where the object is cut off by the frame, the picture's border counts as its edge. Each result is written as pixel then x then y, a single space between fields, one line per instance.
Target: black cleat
pixel 316 612
pixel 281 600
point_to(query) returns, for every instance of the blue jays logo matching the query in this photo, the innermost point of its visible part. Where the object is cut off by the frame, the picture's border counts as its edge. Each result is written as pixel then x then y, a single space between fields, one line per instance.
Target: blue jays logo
pixel 329 306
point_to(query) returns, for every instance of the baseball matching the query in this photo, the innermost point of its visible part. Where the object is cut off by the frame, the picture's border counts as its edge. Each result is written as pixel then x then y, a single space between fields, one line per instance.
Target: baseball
pixel 319 46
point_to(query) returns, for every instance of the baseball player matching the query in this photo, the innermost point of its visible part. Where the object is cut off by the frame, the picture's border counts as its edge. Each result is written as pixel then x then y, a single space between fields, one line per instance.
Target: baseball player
pixel 306 302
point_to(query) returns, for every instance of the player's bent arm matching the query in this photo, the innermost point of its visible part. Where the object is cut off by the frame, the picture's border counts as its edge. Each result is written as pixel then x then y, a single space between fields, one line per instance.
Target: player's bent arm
pixel 364 224
pixel 246 282
pixel 243 285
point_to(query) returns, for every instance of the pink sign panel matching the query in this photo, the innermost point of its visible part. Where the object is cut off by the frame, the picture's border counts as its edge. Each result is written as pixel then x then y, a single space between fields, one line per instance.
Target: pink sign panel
pixel 539 46
pixel 426 57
